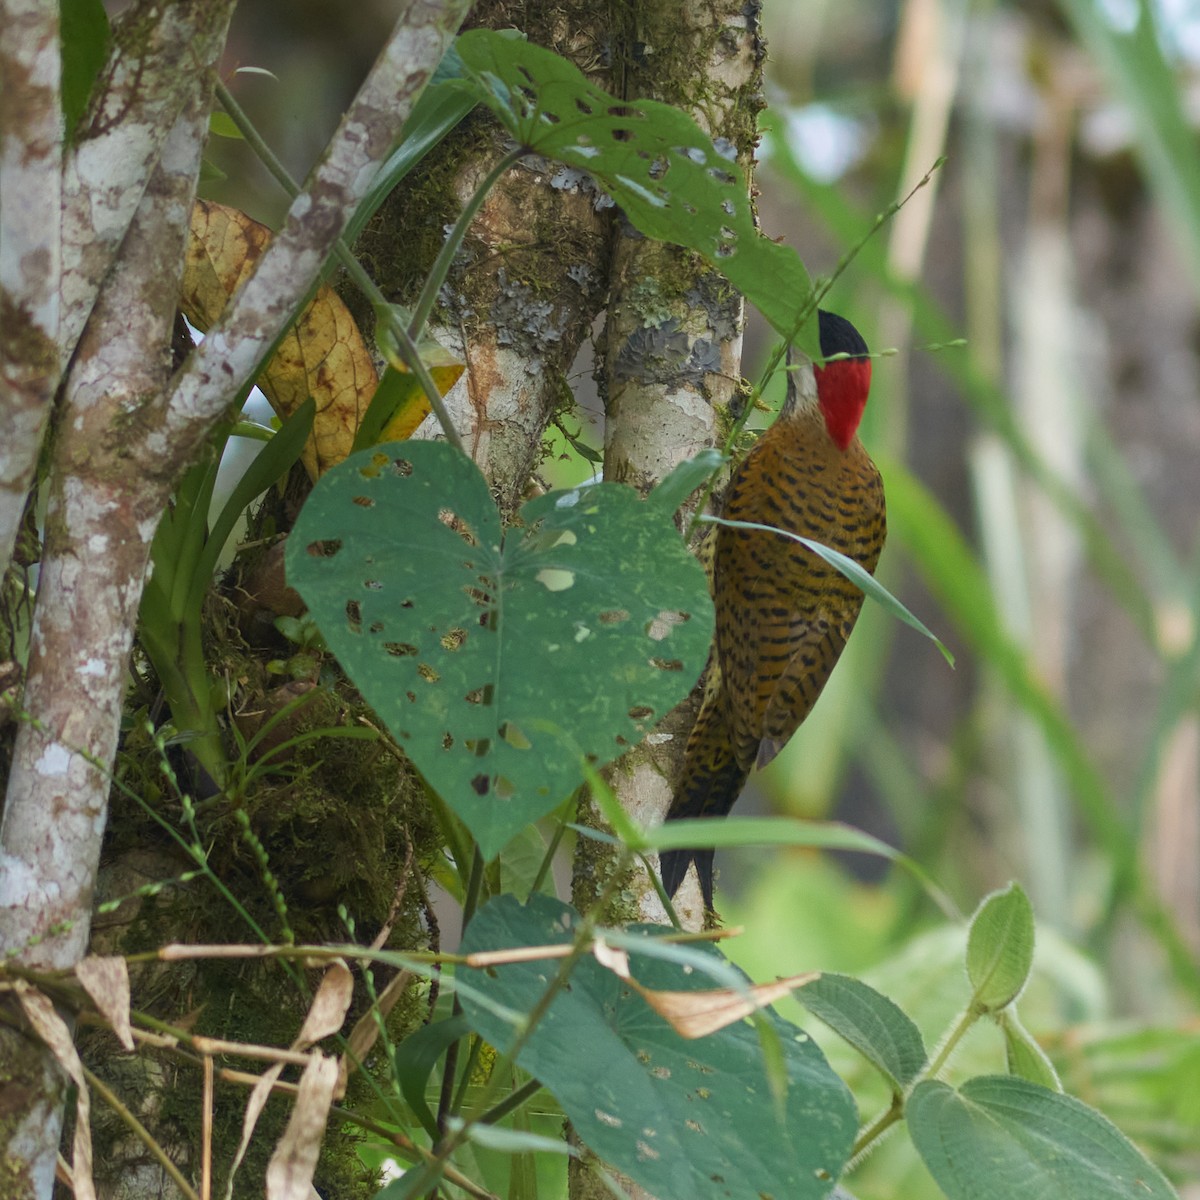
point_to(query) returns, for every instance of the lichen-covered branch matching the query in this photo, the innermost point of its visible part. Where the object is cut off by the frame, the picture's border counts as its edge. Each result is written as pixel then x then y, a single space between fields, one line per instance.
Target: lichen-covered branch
pixel 100 519
pixel 30 246
pixel 126 435
pixel 531 275
pixel 158 52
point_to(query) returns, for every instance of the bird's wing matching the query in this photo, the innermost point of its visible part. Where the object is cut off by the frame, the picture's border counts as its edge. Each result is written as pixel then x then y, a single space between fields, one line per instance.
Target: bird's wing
pixel 812 662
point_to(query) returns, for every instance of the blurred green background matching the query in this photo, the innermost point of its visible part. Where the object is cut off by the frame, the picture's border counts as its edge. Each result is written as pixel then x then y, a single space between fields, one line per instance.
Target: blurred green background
pixel 1043 484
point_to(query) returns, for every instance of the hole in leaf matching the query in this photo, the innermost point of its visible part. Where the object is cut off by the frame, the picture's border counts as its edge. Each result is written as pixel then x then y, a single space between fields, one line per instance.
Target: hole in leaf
pixel 400 649
pixel 375 627
pixel 447 741
pixel 513 735
pixel 478 746
pixel 364 501
pixel 427 673
pixel 623 110
pixel 721 176
pixel 505 788
pixel 621 135
pixel 551 118
pixel 373 585
pixel 406 604
pixel 639 712
pixel 584 107
pixel 452 639
pixel 666 664
pixel 660 628
pixel 613 616
pixel 326 548
pixel 553 579
pixel 620 740
pixel 354 616
pixel 480 598
pixel 402 467
pixel 480 785
pixel 412 697
pixel 724 251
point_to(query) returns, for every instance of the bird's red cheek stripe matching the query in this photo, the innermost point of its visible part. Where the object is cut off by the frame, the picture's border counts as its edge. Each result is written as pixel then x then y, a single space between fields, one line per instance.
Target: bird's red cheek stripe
pixel 842 389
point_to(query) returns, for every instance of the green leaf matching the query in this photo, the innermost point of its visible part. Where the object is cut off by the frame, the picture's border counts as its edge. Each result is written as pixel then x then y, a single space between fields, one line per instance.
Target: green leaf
pixel 1000 948
pixel 1024 1057
pixel 416 1058
pixel 84 34
pixel 501 662
pixel 517 1141
pixel 221 124
pixel 656 163
pixel 874 1025
pixel 999 1137
pixel 671 492
pixel 680 1118
pixel 857 575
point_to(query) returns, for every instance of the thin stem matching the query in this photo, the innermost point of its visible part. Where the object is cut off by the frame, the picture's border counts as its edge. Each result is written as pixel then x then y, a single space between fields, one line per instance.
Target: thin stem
pixel 447 1100
pixel 969 1016
pixel 874 1131
pixel 441 265
pixel 141 1132
pixel 548 858
pixel 354 269
pixel 511 1102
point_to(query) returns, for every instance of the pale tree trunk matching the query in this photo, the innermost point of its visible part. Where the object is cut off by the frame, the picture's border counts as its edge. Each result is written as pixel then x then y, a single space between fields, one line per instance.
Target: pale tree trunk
pixel 673 345
pixel 673 341
pixel 30 246
pixel 529 280
pixel 126 435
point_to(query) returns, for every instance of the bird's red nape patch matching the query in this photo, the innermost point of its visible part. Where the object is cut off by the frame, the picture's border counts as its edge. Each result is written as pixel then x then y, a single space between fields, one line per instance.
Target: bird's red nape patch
pixel 842 388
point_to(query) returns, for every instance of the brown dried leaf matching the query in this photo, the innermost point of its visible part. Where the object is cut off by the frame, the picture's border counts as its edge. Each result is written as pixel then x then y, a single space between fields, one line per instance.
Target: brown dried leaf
pixel 290 1171
pixel 259 1095
pixel 697 1014
pixel 608 956
pixel 366 1029
pixel 322 355
pixel 53 1031
pixel 329 1006
pixel 106 980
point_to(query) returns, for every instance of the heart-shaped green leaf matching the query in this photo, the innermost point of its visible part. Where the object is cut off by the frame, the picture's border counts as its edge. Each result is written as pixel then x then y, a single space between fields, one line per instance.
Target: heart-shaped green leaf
pixel 500 661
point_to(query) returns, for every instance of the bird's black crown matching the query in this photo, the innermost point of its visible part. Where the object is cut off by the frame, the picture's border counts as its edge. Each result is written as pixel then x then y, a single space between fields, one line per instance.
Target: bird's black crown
pixel 838 336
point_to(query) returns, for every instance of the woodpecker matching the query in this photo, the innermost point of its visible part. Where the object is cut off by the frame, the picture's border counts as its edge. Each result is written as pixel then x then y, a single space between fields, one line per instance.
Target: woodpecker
pixel 783 615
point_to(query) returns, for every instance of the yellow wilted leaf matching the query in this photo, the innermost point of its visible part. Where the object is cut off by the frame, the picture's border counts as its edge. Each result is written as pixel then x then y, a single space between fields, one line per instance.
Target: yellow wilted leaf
pixel 412 405
pixel 323 355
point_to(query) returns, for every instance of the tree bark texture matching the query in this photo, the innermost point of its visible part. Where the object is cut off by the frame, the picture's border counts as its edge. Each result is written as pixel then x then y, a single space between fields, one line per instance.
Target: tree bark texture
pixel 673 337
pixel 126 436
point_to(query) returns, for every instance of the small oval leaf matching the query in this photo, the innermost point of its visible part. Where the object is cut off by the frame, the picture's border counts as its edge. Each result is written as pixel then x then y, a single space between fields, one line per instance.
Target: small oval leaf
pixel 1000 948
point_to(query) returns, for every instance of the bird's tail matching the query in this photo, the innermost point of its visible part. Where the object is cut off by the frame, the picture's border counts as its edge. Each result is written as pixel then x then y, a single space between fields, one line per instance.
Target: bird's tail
pixel 710 782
